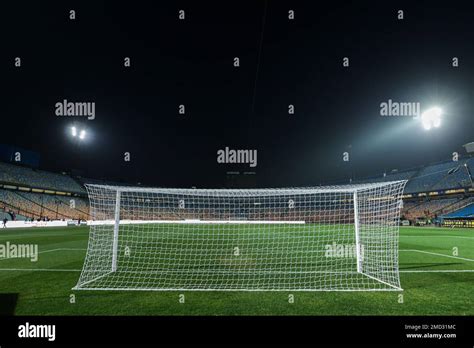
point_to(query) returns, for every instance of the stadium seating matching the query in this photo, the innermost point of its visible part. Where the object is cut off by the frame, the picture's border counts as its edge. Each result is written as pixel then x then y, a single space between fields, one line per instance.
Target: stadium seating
pixel 393 176
pixel 427 208
pixel 467 211
pixel 439 176
pixel 37 205
pixel 447 175
pixel 459 178
pixel 18 175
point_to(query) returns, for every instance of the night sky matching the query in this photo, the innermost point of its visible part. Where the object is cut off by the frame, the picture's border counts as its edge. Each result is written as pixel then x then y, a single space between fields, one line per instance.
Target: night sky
pixel 190 62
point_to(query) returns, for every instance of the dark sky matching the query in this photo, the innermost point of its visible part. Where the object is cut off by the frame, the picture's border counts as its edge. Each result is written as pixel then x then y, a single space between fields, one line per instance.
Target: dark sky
pixel 190 62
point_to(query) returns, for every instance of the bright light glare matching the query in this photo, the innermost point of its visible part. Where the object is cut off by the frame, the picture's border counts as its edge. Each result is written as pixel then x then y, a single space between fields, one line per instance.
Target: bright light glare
pixel 82 135
pixel 73 131
pixel 431 118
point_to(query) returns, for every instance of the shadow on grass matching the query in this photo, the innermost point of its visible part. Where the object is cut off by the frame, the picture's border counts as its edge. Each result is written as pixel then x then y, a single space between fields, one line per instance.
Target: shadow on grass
pixel 426 265
pixel 8 304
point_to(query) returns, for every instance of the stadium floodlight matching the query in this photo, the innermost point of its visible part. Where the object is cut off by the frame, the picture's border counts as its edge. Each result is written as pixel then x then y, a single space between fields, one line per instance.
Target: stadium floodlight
pixel 336 238
pixel 431 118
pixel 80 135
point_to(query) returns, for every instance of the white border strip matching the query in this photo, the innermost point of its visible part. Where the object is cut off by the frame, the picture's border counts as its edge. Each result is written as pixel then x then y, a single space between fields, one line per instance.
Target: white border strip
pixel 192 221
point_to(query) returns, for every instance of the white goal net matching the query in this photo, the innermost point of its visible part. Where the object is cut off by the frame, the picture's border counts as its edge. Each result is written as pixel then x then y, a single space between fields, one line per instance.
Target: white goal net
pixel 298 239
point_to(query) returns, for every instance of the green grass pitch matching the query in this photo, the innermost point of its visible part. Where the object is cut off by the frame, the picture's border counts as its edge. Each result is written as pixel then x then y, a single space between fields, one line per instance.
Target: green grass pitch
pixel 436 281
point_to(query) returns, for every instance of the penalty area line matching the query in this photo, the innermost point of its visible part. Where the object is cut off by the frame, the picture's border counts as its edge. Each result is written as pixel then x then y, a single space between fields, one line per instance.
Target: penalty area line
pixel 439 271
pixel 437 254
pixel 435 236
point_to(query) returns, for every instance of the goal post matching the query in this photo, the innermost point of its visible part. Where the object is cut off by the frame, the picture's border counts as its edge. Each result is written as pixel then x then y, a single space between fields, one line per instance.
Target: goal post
pixel 116 231
pixel 357 237
pixel 335 238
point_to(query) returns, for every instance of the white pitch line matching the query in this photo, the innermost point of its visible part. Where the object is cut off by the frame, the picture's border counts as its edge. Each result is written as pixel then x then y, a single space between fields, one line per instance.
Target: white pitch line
pixel 60 249
pixel 427 252
pixel 18 236
pixel 439 271
pixel 79 270
pixel 430 229
pixel 45 251
pixel 40 269
pixel 462 237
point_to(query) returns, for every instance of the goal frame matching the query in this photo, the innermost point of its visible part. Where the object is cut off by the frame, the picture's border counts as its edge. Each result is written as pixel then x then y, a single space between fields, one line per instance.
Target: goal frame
pixel 355 189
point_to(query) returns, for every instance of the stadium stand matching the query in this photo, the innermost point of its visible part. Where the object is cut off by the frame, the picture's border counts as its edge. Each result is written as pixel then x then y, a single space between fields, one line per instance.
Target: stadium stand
pixel 427 208
pixel 84 181
pixel 451 182
pixel 458 178
pixel 18 175
pixel 439 176
pixel 22 191
pixel 42 206
pixel 447 175
pixel 393 176
pixel 461 217
pixel 48 197
pixel 467 211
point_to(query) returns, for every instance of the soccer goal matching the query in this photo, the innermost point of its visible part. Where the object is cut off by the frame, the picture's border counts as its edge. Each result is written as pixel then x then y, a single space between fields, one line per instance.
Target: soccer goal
pixel 300 239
